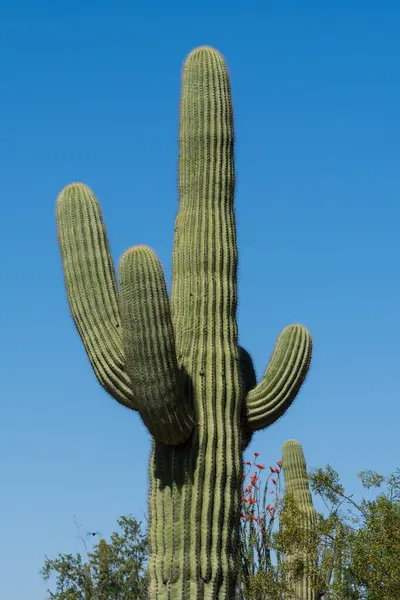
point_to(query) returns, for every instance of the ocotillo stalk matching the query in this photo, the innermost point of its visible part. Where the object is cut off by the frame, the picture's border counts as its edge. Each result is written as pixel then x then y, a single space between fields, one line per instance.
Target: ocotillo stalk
pixel 177 361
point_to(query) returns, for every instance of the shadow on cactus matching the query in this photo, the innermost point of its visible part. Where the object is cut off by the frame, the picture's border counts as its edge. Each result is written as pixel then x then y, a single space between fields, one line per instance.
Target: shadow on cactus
pixel 177 361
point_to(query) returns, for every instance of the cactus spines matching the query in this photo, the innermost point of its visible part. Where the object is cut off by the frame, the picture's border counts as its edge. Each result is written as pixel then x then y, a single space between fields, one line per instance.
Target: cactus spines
pixel 149 346
pixel 92 288
pixel 177 361
pixel 296 484
pixel 283 377
pixel 324 561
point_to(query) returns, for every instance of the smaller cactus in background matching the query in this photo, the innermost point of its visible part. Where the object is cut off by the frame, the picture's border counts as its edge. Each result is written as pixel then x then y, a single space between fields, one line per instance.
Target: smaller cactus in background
pixel 297 490
pixel 305 559
pixel 315 582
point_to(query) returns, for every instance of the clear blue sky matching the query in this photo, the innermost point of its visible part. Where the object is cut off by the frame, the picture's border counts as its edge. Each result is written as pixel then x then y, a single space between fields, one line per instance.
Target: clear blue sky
pixel 90 91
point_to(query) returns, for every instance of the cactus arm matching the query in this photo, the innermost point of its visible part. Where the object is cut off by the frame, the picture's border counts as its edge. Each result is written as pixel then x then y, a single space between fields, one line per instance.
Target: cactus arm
pixel 149 347
pixel 282 380
pixel 91 287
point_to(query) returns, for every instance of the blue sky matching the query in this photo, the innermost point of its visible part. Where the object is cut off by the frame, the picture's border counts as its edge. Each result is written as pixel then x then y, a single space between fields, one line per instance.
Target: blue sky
pixel 90 91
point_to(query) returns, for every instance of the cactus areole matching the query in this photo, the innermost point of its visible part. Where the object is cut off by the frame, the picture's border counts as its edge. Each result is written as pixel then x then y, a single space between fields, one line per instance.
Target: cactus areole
pixel 177 360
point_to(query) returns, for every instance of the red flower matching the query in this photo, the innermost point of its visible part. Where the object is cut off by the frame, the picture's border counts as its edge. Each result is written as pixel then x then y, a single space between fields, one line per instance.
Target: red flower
pixel 261 467
pixel 253 518
pixel 273 480
pixel 256 454
pixel 279 463
pixel 247 462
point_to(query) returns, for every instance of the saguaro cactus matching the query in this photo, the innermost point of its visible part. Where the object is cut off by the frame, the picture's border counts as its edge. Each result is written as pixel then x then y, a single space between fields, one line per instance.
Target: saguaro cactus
pixel 178 361
pixel 316 584
pixel 296 484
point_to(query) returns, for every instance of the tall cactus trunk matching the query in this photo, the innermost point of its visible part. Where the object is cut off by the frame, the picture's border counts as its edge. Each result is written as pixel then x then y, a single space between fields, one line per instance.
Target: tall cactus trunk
pixel 177 360
pixel 195 487
pixel 326 561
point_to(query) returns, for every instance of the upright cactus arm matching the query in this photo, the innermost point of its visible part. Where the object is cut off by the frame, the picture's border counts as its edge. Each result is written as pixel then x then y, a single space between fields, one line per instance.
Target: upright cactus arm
pixel 145 377
pixel 149 346
pixel 282 380
pixel 92 288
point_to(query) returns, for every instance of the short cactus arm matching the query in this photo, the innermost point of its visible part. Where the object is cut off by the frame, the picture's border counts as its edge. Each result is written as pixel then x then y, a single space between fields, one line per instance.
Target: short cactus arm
pixel 282 380
pixel 149 347
pixel 91 287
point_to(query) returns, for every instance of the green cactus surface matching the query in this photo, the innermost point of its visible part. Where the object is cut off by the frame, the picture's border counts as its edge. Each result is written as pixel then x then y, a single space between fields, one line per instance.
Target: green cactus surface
pixel 296 484
pixel 177 360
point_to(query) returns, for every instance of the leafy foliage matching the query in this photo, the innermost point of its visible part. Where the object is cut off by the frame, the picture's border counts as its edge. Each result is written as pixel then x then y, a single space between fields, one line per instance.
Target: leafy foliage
pixel 112 571
pixel 357 545
pixel 369 566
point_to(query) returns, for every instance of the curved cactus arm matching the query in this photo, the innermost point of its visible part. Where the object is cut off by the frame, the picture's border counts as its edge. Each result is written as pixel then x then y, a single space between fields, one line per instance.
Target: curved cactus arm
pixel 91 287
pixel 282 380
pixel 149 347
